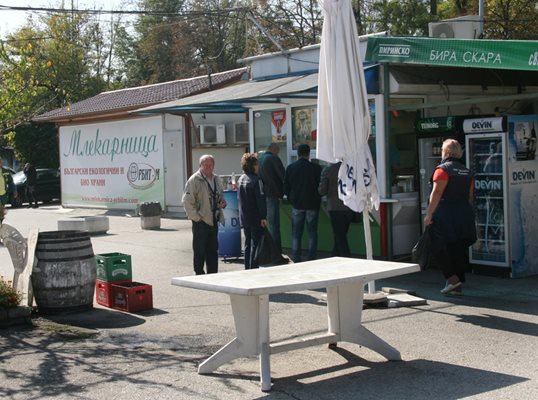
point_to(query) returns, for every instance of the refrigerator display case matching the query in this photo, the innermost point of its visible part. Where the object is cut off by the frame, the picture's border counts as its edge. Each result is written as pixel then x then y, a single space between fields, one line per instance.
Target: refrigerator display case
pixel 484 158
pixel 431 132
pixel 501 152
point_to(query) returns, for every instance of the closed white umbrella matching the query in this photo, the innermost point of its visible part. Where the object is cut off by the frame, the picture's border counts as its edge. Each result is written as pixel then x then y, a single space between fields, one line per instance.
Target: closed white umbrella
pixel 343 125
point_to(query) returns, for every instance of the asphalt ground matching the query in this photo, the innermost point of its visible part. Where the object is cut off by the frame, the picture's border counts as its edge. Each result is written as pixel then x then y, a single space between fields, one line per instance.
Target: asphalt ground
pixel 480 346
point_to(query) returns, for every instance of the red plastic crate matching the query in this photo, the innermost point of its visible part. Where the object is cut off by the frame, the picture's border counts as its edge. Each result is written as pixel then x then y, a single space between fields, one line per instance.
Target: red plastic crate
pixel 103 291
pixel 132 296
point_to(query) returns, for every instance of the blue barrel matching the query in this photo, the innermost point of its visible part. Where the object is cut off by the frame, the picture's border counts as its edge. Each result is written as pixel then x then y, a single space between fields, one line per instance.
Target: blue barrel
pixel 230 231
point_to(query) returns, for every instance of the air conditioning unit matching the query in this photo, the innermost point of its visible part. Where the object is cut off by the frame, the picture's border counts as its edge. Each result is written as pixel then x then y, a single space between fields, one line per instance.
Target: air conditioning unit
pixel 212 134
pixel 241 133
pixel 466 27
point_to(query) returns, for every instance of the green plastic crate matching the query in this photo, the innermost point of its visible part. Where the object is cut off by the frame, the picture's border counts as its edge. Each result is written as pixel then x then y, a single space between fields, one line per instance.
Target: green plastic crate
pixel 113 267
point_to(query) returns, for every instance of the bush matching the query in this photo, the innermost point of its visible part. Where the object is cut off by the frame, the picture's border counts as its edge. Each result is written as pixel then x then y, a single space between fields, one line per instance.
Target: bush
pixel 9 297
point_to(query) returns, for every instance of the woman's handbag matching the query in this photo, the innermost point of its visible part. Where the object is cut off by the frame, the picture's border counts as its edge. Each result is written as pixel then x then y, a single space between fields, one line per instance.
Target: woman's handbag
pixel 422 250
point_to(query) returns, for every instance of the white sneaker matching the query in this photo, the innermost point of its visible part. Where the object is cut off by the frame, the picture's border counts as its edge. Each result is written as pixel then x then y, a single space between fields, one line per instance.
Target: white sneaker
pixel 450 287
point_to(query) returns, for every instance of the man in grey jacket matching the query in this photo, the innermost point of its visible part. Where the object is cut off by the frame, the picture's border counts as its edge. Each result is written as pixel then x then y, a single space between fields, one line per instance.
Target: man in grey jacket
pixel 203 202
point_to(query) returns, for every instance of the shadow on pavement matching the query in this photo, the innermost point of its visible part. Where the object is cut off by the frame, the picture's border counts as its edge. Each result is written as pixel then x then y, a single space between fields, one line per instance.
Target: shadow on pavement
pixel 394 380
pixel 98 318
pixel 106 361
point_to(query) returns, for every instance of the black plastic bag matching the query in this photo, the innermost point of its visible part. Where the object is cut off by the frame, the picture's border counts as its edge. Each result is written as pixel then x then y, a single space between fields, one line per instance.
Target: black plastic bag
pixel 267 252
pixel 422 250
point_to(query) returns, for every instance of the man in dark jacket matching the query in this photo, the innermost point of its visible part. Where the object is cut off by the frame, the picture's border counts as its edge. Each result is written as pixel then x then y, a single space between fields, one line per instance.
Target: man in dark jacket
pixel 341 215
pixel 301 183
pixel 31 180
pixel 272 175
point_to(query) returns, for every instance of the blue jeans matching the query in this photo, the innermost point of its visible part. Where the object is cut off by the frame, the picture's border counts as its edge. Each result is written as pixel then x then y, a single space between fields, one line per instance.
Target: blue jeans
pixel 273 218
pixel 297 221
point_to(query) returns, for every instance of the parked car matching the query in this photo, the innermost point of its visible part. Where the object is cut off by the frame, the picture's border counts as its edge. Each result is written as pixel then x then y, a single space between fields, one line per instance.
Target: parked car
pixel 10 170
pixel 47 186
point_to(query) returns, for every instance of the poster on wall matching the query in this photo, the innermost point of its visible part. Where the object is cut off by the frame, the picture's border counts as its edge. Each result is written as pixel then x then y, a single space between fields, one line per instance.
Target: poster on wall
pixel 523 180
pixel 112 165
pixel 278 126
pixel 304 126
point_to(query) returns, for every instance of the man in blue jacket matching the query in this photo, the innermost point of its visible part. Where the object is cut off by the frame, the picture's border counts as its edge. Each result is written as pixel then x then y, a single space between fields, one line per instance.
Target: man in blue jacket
pixel 301 183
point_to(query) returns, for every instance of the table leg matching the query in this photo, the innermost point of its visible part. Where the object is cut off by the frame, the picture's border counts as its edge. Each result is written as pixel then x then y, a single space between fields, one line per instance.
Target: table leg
pixel 264 341
pixel 246 316
pixel 344 308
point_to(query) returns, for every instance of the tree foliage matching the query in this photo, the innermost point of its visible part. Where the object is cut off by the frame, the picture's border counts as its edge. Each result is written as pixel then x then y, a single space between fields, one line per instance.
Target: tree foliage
pixel 512 19
pixel 399 17
pixel 35 143
pixel 43 68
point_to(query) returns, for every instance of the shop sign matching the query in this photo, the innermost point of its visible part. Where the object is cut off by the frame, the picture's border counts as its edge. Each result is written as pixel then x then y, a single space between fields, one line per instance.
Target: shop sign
pixel 436 125
pixel 112 164
pixel 483 125
pixel 496 54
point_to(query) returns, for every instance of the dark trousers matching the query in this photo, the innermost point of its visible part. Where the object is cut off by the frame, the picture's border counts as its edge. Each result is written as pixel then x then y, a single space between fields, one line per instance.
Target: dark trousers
pixel 30 195
pixel 273 218
pixel 205 246
pixel 340 222
pixel 454 260
pixel 252 241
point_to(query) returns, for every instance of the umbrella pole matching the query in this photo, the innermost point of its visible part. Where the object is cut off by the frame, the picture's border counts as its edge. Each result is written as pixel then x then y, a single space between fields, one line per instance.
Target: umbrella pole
pixel 368 241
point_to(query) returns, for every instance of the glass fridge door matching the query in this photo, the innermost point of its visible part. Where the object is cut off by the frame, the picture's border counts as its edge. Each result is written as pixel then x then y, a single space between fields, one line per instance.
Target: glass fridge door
pixel 429 150
pixel 485 158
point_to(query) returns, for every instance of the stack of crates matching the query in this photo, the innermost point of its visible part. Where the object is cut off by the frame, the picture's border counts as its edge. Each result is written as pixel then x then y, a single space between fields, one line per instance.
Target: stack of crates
pixel 114 286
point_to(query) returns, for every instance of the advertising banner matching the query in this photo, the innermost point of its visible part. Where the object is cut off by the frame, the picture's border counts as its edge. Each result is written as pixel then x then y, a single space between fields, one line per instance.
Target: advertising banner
pixel 230 231
pixel 304 121
pixel 278 126
pixel 523 186
pixel 112 165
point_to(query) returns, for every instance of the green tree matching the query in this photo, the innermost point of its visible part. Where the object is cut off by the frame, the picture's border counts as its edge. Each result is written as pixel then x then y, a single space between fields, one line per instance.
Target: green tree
pixel 35 143
pixel 400 17
pixel 511 19
pixel 49 66
pixel 283 24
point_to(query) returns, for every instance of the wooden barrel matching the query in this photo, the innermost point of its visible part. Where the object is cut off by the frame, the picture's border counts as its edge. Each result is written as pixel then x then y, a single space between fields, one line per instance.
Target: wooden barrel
pixel 64 278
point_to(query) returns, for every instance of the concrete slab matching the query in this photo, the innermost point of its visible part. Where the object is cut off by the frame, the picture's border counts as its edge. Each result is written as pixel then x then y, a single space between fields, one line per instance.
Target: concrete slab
pixel 96 224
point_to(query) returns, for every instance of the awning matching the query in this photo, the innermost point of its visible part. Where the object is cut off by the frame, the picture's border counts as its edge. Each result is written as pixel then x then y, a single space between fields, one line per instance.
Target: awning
pixel 237 98
pixel 494 54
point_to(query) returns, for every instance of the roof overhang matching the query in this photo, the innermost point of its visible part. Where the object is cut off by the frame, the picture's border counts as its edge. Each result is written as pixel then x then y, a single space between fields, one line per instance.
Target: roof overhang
pixel 240 97
pixel 237 97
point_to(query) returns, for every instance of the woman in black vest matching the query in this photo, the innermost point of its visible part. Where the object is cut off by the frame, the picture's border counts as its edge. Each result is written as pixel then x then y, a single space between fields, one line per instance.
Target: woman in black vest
pixel 252 207
pixel 451 215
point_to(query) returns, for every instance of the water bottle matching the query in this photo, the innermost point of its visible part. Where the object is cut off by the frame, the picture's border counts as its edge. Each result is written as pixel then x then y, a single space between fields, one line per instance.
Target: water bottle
pixel 234 184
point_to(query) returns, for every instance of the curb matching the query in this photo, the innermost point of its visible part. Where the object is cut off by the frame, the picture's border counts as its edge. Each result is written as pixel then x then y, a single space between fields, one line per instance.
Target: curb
pixel 15 316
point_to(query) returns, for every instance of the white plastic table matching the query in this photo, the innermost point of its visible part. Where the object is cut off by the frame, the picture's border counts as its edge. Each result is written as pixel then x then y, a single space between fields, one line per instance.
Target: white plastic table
pixel 249 290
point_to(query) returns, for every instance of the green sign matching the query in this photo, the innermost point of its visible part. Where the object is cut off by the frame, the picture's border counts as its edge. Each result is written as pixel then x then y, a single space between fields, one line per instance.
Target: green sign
pixel 436 125
pixel 496 54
